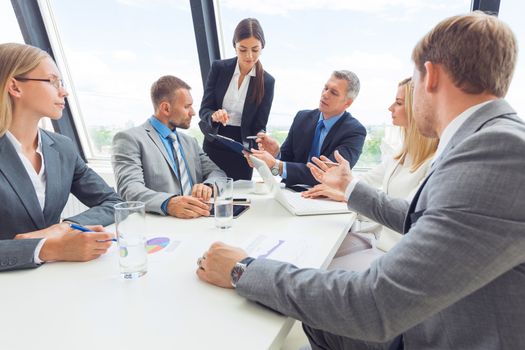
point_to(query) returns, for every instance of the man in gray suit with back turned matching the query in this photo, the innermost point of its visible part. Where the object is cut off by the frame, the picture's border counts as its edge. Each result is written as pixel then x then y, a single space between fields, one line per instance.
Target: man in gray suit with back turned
pixel 457 278
pixel 166 169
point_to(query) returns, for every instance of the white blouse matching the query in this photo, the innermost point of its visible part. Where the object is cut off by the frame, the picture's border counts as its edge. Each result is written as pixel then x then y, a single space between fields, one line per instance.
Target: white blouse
pixel 235 96
pixel 397 181
pixel 37 179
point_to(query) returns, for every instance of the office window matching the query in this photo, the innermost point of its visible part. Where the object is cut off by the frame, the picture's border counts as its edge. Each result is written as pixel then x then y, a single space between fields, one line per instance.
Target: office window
pixel 10 33
pixel 511 12
pixel 9 28
pixel 307 40
pixel 111 52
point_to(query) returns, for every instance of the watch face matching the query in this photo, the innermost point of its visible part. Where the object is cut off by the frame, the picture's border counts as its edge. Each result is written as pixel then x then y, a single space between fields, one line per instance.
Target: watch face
pixel 275 171
pixel 237 272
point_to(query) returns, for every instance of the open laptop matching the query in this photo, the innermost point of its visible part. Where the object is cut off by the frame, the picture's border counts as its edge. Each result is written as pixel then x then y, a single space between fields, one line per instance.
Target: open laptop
pixel 292 201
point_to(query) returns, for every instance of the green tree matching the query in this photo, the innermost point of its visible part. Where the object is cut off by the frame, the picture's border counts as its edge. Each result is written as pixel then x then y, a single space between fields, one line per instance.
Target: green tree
pixel 371 154
pixel 101 137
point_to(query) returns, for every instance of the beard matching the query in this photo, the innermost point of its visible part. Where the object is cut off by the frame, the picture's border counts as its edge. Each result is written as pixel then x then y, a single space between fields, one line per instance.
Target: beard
pixel 180 124
pixel 424 116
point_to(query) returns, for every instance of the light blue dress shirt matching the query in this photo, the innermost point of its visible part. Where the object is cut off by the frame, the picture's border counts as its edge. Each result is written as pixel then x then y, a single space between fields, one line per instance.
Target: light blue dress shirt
pixel 164 133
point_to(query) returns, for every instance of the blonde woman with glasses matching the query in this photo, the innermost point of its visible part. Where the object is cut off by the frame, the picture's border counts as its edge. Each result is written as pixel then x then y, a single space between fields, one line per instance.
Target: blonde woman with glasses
pixel 398 176
pixel 39 169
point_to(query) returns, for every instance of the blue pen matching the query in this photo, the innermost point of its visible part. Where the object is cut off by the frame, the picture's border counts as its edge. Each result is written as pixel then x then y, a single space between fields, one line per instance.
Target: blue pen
pixel 85 229
pixel 79 227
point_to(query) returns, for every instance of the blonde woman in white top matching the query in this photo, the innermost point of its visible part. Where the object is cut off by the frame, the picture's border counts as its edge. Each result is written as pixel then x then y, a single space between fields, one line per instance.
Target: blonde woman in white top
pixel 399 176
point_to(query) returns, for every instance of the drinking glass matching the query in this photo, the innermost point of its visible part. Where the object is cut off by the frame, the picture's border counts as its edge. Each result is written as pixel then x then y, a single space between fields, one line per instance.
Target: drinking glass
pixel 130 224
pixel 223 202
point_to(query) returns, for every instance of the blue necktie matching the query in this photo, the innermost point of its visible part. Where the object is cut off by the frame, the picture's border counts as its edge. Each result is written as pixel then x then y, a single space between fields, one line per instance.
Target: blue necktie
pixel 315 151
pixel 184 175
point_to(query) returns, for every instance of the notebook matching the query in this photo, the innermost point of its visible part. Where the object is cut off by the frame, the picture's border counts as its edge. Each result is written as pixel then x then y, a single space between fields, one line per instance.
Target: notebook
pixel 292 201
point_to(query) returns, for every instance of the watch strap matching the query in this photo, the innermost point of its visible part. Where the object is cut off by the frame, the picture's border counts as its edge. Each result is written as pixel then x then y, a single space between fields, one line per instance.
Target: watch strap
pixel 239 269
pixel 275 168
pixel 247 261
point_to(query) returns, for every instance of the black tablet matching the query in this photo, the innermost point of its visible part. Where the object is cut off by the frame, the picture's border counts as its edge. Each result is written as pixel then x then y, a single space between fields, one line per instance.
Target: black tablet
pixel 299 188
pixel 237 210
pixel 230 144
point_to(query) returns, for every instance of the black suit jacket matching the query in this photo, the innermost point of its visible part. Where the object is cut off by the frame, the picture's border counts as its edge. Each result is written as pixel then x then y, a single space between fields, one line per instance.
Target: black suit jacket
pixel 254 118
pixel 347 136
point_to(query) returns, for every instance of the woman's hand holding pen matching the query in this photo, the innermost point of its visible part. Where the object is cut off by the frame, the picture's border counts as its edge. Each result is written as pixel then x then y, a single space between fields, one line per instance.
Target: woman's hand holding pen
pixel 220 116
pixel 64 242
pixel 77 245
pixel 56 230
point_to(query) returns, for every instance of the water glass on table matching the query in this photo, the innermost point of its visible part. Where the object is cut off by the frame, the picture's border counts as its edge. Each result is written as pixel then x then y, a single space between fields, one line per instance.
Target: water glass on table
pixel 130 224
pixel 223 202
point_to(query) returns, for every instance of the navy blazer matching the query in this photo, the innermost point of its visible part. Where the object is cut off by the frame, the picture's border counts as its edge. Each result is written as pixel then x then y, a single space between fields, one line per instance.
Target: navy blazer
pixel 254 118
pixel 347 136
pixel 66 173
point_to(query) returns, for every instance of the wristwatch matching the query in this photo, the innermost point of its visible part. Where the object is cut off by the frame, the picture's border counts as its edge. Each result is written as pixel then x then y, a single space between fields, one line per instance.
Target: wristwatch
pixel 239 269
pixel 275 168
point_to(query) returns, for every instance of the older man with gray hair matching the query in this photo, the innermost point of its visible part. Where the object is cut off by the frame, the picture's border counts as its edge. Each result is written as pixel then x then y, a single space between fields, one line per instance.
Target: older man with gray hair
pixel 317 132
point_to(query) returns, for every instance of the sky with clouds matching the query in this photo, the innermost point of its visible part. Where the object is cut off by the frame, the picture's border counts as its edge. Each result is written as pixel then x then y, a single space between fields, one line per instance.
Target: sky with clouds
pixel 115 49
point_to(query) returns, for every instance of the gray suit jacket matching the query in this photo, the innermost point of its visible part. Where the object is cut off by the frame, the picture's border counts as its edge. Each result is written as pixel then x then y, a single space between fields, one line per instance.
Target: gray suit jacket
pixel 143 169
pixel 66 173
pixel 456 280
pixel 17 254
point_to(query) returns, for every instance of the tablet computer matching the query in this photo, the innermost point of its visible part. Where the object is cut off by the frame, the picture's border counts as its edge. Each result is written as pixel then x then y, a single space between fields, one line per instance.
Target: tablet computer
pixel 230 144
pixel 299 187
pixel 237 210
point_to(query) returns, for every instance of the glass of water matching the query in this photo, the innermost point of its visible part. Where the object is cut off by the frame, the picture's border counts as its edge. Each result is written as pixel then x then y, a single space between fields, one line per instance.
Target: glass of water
pixel 130 224
pixel 223 202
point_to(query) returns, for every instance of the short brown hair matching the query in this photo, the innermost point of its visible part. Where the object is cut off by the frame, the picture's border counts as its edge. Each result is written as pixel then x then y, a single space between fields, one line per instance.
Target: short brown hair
pixel 478 51
pixel 164 89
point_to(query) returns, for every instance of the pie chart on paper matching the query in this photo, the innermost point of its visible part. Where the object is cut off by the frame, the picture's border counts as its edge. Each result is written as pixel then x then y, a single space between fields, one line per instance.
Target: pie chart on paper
pixel 156 244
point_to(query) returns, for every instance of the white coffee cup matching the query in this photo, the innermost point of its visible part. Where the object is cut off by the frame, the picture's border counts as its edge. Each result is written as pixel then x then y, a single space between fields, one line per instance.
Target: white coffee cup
pixel 260 188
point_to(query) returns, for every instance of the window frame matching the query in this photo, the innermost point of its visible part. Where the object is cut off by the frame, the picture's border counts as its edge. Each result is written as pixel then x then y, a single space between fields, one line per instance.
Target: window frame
pixel 205 15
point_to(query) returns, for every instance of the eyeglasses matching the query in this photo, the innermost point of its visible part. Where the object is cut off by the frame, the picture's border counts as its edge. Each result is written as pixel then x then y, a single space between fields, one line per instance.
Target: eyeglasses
pixel 56 82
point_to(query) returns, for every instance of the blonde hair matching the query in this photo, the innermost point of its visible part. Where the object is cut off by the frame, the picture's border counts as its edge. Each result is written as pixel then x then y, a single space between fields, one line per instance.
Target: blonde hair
pixel 478 51
pixel 16 60
pixel 415 146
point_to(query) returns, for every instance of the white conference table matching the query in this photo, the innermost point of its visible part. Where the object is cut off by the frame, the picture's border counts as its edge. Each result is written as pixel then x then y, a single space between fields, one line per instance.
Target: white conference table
pixel 78 306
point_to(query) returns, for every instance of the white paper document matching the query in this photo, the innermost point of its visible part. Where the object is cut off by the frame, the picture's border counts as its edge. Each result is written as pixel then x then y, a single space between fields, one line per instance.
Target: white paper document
pixel 263 247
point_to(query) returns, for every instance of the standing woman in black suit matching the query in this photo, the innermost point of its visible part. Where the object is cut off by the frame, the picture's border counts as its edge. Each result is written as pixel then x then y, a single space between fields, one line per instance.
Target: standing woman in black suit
pixel 237 99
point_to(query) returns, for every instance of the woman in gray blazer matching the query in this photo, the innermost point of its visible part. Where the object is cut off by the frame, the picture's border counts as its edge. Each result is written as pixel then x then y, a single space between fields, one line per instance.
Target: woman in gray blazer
pixel 39 169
